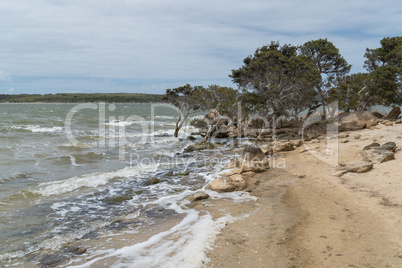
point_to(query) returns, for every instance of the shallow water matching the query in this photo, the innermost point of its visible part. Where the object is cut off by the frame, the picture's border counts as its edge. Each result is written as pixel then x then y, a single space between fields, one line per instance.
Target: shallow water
pixel 79 177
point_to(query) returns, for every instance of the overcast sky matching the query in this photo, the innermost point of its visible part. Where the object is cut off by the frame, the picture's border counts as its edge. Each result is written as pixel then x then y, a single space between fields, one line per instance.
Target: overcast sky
pixel 50 46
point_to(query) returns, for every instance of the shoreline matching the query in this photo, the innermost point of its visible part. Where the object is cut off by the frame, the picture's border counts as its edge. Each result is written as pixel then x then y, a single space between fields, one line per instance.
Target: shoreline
pixel 305 216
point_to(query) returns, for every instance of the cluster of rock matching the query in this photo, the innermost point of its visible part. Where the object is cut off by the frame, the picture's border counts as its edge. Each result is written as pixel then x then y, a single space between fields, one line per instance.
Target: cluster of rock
pixel 253 160
pixel 372 154
pixel 379 153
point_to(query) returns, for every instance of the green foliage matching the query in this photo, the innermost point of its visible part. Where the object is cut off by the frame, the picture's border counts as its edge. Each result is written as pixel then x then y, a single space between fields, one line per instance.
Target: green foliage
pixel 385 66
pixel 284 79
pixel 83 97
pixel 329 62
pixel 351 92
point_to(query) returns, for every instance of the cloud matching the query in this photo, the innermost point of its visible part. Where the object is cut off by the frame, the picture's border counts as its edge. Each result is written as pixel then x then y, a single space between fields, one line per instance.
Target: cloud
pixel 4 76
pixel 177 39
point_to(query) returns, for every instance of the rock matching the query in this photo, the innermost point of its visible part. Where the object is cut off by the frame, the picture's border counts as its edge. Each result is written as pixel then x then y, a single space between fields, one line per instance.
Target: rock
pixel 371 146
pixel 118 199
pixel 252 152
pixel 199 146
pixel 372 128
pixel 256 123
pixel 343 135
pixel 221 185
pixel 266 149
pixel 398 121
pixel 389 146
pixel 297 143
pixel 153 181
pixel 344 141
pixel 372 122
pixel 51 260
pixel 191 138
pixel 394 114
pixel 354 121
pixel 357 136
pixel 238 181
pixel 232 172
pixel 283 147
pixel 184 173
pixel 357 167
pixel 379 154
pixel 212 116
pixel 377 114
pixel 388 124
pixel 198 197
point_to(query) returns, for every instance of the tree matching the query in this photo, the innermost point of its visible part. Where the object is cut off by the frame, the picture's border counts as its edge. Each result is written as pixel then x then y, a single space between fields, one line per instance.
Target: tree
pixel 280 76
pixel 385 67
pixel 329 62
pixel 352 92
pixel 225 100
pixel 185 99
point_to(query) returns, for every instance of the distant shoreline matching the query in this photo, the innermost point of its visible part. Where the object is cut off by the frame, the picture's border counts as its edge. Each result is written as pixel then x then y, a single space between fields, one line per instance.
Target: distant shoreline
pixel 82 98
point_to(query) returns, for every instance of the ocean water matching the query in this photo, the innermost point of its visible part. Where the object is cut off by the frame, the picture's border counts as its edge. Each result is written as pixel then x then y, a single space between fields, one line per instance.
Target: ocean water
pixel 76 187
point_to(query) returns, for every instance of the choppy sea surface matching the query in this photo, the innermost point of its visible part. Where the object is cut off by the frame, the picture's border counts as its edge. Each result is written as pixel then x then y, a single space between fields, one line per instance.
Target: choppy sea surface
pixel 102 185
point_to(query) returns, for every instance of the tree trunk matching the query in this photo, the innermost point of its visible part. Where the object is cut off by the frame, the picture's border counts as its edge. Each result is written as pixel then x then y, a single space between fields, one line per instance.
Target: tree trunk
pixel 211 130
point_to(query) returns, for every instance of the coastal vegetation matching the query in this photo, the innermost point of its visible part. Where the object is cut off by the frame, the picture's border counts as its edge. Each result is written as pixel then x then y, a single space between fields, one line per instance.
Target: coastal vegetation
pixel 287 81
pixel 82 97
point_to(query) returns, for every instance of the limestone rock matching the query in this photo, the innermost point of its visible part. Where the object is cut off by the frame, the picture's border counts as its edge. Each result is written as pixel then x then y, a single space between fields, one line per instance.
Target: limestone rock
pixel 393 114
pixel 212 116
pixel 252 152
pixel 357 136
pixel 354 121
pixel 344 141
pixel 379 154
pixel 198 196
pixel 377 114
pixel 343 135
pixel 199 146
pixel 283 147
pixel 221 185
pixel 357 167
pixel 297 143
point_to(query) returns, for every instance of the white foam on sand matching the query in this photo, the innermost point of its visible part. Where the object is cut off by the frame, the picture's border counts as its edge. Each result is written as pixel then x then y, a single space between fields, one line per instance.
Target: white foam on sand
pixel 184 245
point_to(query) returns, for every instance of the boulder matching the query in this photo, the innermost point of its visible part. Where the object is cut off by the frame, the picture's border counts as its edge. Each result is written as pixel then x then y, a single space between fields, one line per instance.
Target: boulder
pixel 343 135
pixel 379 153
pixel 297 143
pixel 252 152
pixel 357 167
pixel 357 136
pixel 354 121
pixel 398 121
pixel 393 114
pixel 231 183
pixel 371 123
pixel 283 147
pixel 212 116
pixel 221 185
pixel 199 146
pixel 377 114
pixel 198 197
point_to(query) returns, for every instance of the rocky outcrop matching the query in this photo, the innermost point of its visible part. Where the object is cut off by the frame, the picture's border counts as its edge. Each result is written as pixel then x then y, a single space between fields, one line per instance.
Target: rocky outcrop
pixel 393 114
pixel 357 167
pixel 378 115
pixel 233 181
pixel 354 121
pixel 251 152
pixel 283 146
pixel 379 153
pixel 198 197
pixel 199 146
pixel 212 116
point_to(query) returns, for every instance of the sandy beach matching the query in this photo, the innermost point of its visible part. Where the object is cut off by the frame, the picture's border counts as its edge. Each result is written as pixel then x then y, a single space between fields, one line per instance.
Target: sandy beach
pixel 306 216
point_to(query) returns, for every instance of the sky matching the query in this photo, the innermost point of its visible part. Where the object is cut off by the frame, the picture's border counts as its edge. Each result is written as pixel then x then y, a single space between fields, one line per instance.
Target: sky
pixel 147 46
